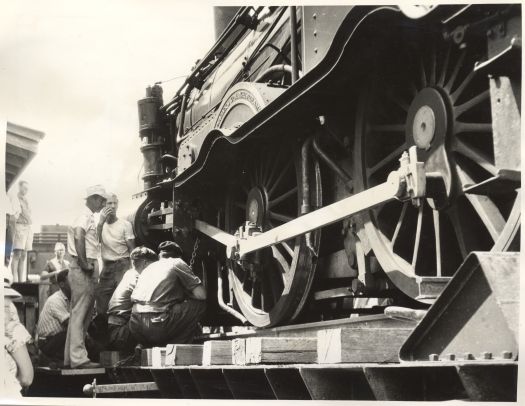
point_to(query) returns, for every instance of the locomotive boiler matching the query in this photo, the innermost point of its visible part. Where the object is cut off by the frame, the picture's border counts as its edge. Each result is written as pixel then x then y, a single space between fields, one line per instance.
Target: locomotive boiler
pixel 324 161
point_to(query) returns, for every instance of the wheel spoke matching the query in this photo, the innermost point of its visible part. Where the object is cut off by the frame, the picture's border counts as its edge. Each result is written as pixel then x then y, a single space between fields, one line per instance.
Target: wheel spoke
pixel 422 74
pixel 280 178
pixel 287 247
pixel 461 127
pixel 386 160
pixel 239 205
pixel 433 66
pixel 418 235
pixel 281 260
pixel 458 230
pixel 279 217
pixel 475 155
pixel 398 102
pixel 462 108
pixel 437 237
pixel 444 69
pixel 454 74
pixel 459 91
pixel 387 128
pixel 399 222
pixel 274 169
pixel 283 197
pixel 485 208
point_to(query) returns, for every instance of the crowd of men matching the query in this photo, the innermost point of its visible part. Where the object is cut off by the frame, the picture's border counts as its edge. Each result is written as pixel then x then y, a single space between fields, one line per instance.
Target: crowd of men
pixel 139 297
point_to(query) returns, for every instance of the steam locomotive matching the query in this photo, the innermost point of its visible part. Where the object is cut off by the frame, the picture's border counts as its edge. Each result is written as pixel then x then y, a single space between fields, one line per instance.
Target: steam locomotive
pixel 269 164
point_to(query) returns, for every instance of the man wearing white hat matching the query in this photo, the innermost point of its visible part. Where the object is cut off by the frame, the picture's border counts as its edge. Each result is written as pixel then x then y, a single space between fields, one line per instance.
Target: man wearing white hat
pixel 83 247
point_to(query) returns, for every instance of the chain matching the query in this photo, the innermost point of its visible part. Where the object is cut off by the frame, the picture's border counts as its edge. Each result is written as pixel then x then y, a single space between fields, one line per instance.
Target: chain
pixel 194 253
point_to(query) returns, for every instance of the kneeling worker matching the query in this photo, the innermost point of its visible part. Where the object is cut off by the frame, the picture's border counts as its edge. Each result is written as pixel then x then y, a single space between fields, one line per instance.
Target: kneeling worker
pixel 119 309
pixel 52 324
pixel 169 300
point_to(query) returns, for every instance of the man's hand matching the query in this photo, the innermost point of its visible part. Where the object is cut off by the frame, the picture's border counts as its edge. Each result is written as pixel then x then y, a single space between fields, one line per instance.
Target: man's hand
pixel 87 268
pixel 104 213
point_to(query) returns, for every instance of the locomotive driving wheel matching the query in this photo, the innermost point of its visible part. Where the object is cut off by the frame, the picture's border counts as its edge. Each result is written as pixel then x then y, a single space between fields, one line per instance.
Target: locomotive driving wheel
pixel 431 96
pixel 272 284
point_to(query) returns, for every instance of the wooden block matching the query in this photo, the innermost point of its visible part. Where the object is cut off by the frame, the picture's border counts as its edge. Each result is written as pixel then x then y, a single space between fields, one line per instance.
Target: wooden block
pixel 239 351
pixel 217 352
pixel 158 356
pixel 145 357
pixel 110 358
pixel 183 354
pixel 280 350
pixel 360 344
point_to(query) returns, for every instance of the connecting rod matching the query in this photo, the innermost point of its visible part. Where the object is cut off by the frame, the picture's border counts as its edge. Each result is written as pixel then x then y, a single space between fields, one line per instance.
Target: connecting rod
pixel 406 183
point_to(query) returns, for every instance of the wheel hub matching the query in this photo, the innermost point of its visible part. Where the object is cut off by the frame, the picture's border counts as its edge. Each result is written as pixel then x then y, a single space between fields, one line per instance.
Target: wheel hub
pixel 256 205
pixel 427 127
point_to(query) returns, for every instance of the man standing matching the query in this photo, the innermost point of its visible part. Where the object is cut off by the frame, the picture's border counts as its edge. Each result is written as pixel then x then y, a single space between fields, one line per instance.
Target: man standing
pixel 117 241
pixel 169 300
pixel 23 235
pixel 54 266
pixel 119 309
pixel 82 245
pixel 53 320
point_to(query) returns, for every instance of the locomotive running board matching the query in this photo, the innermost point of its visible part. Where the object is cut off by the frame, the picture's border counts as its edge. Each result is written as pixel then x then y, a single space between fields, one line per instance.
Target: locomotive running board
pixel 406 183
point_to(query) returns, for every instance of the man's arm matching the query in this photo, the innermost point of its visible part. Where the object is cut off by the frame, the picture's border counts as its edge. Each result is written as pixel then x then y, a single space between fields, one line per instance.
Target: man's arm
pixel 103 216
pixel 198 292
pixel 80 247
pixel 131 244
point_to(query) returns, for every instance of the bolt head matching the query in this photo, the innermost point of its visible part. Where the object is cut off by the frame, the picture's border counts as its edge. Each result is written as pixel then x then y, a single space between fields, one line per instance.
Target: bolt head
pixel 486 355
pixel 468 356
pixel 506 354
pixel 433 357
pixel 451 357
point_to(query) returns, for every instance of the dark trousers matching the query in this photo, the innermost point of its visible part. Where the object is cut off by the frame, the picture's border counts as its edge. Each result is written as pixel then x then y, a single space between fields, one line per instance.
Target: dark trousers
pixel 120 338
pixel 177 325
pixel 53 346
pixel 110 277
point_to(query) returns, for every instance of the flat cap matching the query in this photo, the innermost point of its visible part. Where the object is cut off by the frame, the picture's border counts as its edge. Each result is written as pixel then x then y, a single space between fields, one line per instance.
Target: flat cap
pixel 170 247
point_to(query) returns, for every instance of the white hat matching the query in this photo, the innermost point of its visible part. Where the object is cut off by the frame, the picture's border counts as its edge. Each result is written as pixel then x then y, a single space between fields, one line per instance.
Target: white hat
pixel 8 278
pixel 59 246
pixel 96 190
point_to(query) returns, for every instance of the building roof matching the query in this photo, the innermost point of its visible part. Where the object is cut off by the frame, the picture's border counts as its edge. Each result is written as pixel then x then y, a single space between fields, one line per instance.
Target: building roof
pixel 21 147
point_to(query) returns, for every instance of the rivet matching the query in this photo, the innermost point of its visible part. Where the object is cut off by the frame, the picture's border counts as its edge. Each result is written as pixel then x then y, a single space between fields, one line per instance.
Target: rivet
pixel 315 50
pixel 468 355
pixel 486 355
pixel 506 354
pixel 314 16
pixel 315 33
pixel 451 357
pixel 433 357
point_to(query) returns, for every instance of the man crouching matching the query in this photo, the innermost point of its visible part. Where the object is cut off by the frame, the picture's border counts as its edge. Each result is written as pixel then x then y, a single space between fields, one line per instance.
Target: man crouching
pixel 119 310
pixel 169 300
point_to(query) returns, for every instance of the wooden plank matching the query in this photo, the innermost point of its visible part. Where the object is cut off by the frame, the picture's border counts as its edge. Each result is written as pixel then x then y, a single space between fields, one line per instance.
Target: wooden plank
pixel 239 351
pixel 360 345
pixel 282 350
pixel 217 352
pixel 183 354
pixel 211 383
pixel 110 358
pixel 158 357
pixel 146 357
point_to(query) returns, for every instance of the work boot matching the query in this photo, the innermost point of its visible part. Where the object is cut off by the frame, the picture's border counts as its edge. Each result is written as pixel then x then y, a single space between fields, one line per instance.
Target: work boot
pixel 89 364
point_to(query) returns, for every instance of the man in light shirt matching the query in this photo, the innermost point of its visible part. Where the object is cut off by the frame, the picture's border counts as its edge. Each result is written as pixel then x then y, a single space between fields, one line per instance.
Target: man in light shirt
pixel 117 241
pixel 119 308
pixel 83 247
pixel 23 234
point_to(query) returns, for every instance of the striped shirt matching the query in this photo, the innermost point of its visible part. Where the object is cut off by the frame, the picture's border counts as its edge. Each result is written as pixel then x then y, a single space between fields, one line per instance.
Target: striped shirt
pixel 53 316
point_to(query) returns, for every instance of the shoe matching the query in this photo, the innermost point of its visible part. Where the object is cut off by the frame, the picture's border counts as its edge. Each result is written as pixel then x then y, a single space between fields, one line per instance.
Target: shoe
pixel 89 364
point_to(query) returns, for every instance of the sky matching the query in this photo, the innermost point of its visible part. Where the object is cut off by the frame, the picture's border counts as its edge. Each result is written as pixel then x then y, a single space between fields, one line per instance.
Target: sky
pixel 75 71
